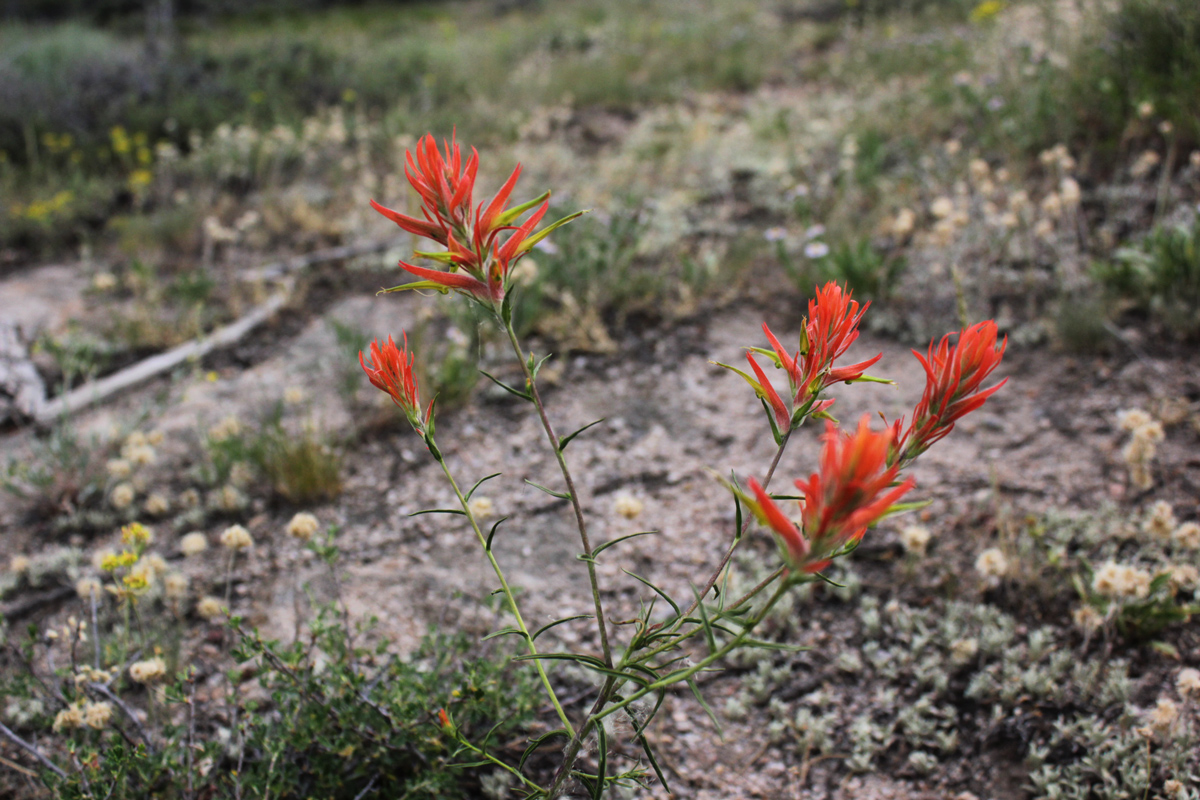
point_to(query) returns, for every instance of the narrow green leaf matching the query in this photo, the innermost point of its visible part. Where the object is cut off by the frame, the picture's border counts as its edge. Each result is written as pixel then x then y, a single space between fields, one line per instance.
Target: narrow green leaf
pixel 707 709
pixel 618 540
pixel 458 511
pixel 704 621
pixel 492 533
pixel 529 243
pixel 601 762
pixel 551 492
pixel 504 632
pixel 509 216
pixel 468 764
pixel 481 481
pixel 444 256
pixel 871 379
pixel 506 387
pixel 534 369
pixel 563 441
pixel 437 287
pixel 771 354
pixel 656 590
pixel 550 625
pixel 830 581
pixel 537 742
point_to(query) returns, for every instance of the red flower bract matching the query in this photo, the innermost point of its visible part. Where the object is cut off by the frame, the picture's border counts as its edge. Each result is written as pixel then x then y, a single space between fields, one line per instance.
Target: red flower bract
pixel 853 489
pixel 952 379
pixel 391 371
pixel 469 235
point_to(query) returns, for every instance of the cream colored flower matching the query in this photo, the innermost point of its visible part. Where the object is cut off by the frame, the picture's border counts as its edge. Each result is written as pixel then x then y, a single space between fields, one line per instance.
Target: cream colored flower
pixel 118 468
pixel 1120 581
pixel 303 525
pixel 210 608
pixel 482 507
pixel 627 505
pixel 229 498
pixel 147 671
pixel 1133 418
pixel 952 147
pixel 1052 205
pixel 992 563
pixel 1183 576
pixel 69 718
pixel 979 169
pixel 189 498
pixel 1187 683
pixel 1162 719
pixel 235 537
pixel 1187 536
pixel 1161 523
pixel 19 564
pixel 1087 619
pixel 293 395
pixel 157 504
pixel 97 715
pixel 104 281
pixel 225 429
pixel 193 543
pixel 175 585
pixel 241 475
pixel 963 650
pixel 915 539
pixel 942 207
pixel 1069 191
pixel 1145 109
pixel 138 455
pixel 1146 162
pixel 121 496
pixel 87 588
pixel 904 223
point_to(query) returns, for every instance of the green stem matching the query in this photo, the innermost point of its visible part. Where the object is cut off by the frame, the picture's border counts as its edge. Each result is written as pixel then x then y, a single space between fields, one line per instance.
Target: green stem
pixel 497 762
pixel 508 595
pixel 684 674
pixel 566 473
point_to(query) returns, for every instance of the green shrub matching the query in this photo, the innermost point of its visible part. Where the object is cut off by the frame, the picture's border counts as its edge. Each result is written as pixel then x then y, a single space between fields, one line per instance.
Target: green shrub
pixel 1160 277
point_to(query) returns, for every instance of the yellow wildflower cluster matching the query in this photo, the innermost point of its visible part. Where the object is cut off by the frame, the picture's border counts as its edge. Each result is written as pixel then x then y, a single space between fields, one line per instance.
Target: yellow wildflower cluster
pixel 115 561
pixel 42 210
pixel 77 715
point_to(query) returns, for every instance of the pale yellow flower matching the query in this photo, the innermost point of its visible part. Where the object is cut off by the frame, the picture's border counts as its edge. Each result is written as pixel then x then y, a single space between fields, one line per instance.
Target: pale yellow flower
pixel 627 505
pixel 19 564
pixel 97 715
pixel 210 608
pixel 915 539
pixel 1187 682
pixel 121 496
pixel 303 525
pixel 992 563
pixel 1187 536
pixel 482 507
pixel 147 671
pixel 235 537
pixel 193 543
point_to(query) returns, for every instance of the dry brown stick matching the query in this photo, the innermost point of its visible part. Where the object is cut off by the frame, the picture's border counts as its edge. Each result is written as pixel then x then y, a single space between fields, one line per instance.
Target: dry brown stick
pixel 92 393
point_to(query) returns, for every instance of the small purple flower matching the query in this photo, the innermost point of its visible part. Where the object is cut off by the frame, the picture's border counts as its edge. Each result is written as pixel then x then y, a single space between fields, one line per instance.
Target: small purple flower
pixel 814 231
pixel 816 250
pixel 775 234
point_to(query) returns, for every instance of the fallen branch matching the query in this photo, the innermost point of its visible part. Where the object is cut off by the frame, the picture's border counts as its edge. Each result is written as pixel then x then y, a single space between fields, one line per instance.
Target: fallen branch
pixel 92 393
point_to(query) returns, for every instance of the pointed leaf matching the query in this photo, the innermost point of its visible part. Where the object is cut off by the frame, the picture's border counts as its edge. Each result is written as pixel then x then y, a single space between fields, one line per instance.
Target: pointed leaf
pixel 707 709
pixel 618 540
pixel 550 625
pixel 504 632
pixel 506 387
pixel 508 217
pixel 492 533
pixel 458 511
pixel 601 762
pixel 551 492
pixel 528 244
pixel 563 441
pixel 708 634
pixel 437 287
pixel 534 369
pixel 656 590
pixel 537 742
pixel 443 256
pixel 481 481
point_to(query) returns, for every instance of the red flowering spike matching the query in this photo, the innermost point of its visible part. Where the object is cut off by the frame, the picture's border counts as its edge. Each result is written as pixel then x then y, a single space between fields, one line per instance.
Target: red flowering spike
pixel 831 327
pixel 391 371
pixel 454 280
pixel 486 222
pixel 783 416
pixel 772 516
pixel 412 224
pixel 852 490
pixel 952 379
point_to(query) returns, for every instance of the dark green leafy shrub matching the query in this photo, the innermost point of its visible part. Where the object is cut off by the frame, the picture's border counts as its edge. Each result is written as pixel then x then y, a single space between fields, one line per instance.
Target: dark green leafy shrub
pixel 1160 277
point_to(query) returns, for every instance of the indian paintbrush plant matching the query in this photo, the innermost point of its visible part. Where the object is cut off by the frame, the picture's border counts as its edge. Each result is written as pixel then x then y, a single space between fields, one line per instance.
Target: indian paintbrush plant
pixel 857 483
pixel 340 720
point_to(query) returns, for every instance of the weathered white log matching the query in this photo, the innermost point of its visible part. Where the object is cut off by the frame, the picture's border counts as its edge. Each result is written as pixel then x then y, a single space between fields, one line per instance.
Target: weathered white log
pixel 97 391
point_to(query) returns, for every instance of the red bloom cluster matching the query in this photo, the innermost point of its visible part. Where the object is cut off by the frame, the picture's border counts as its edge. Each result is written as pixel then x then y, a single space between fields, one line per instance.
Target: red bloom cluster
pixel 391 371
pixel 445 185
pixel 953 375
pixel 828 331
pixel 853 489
